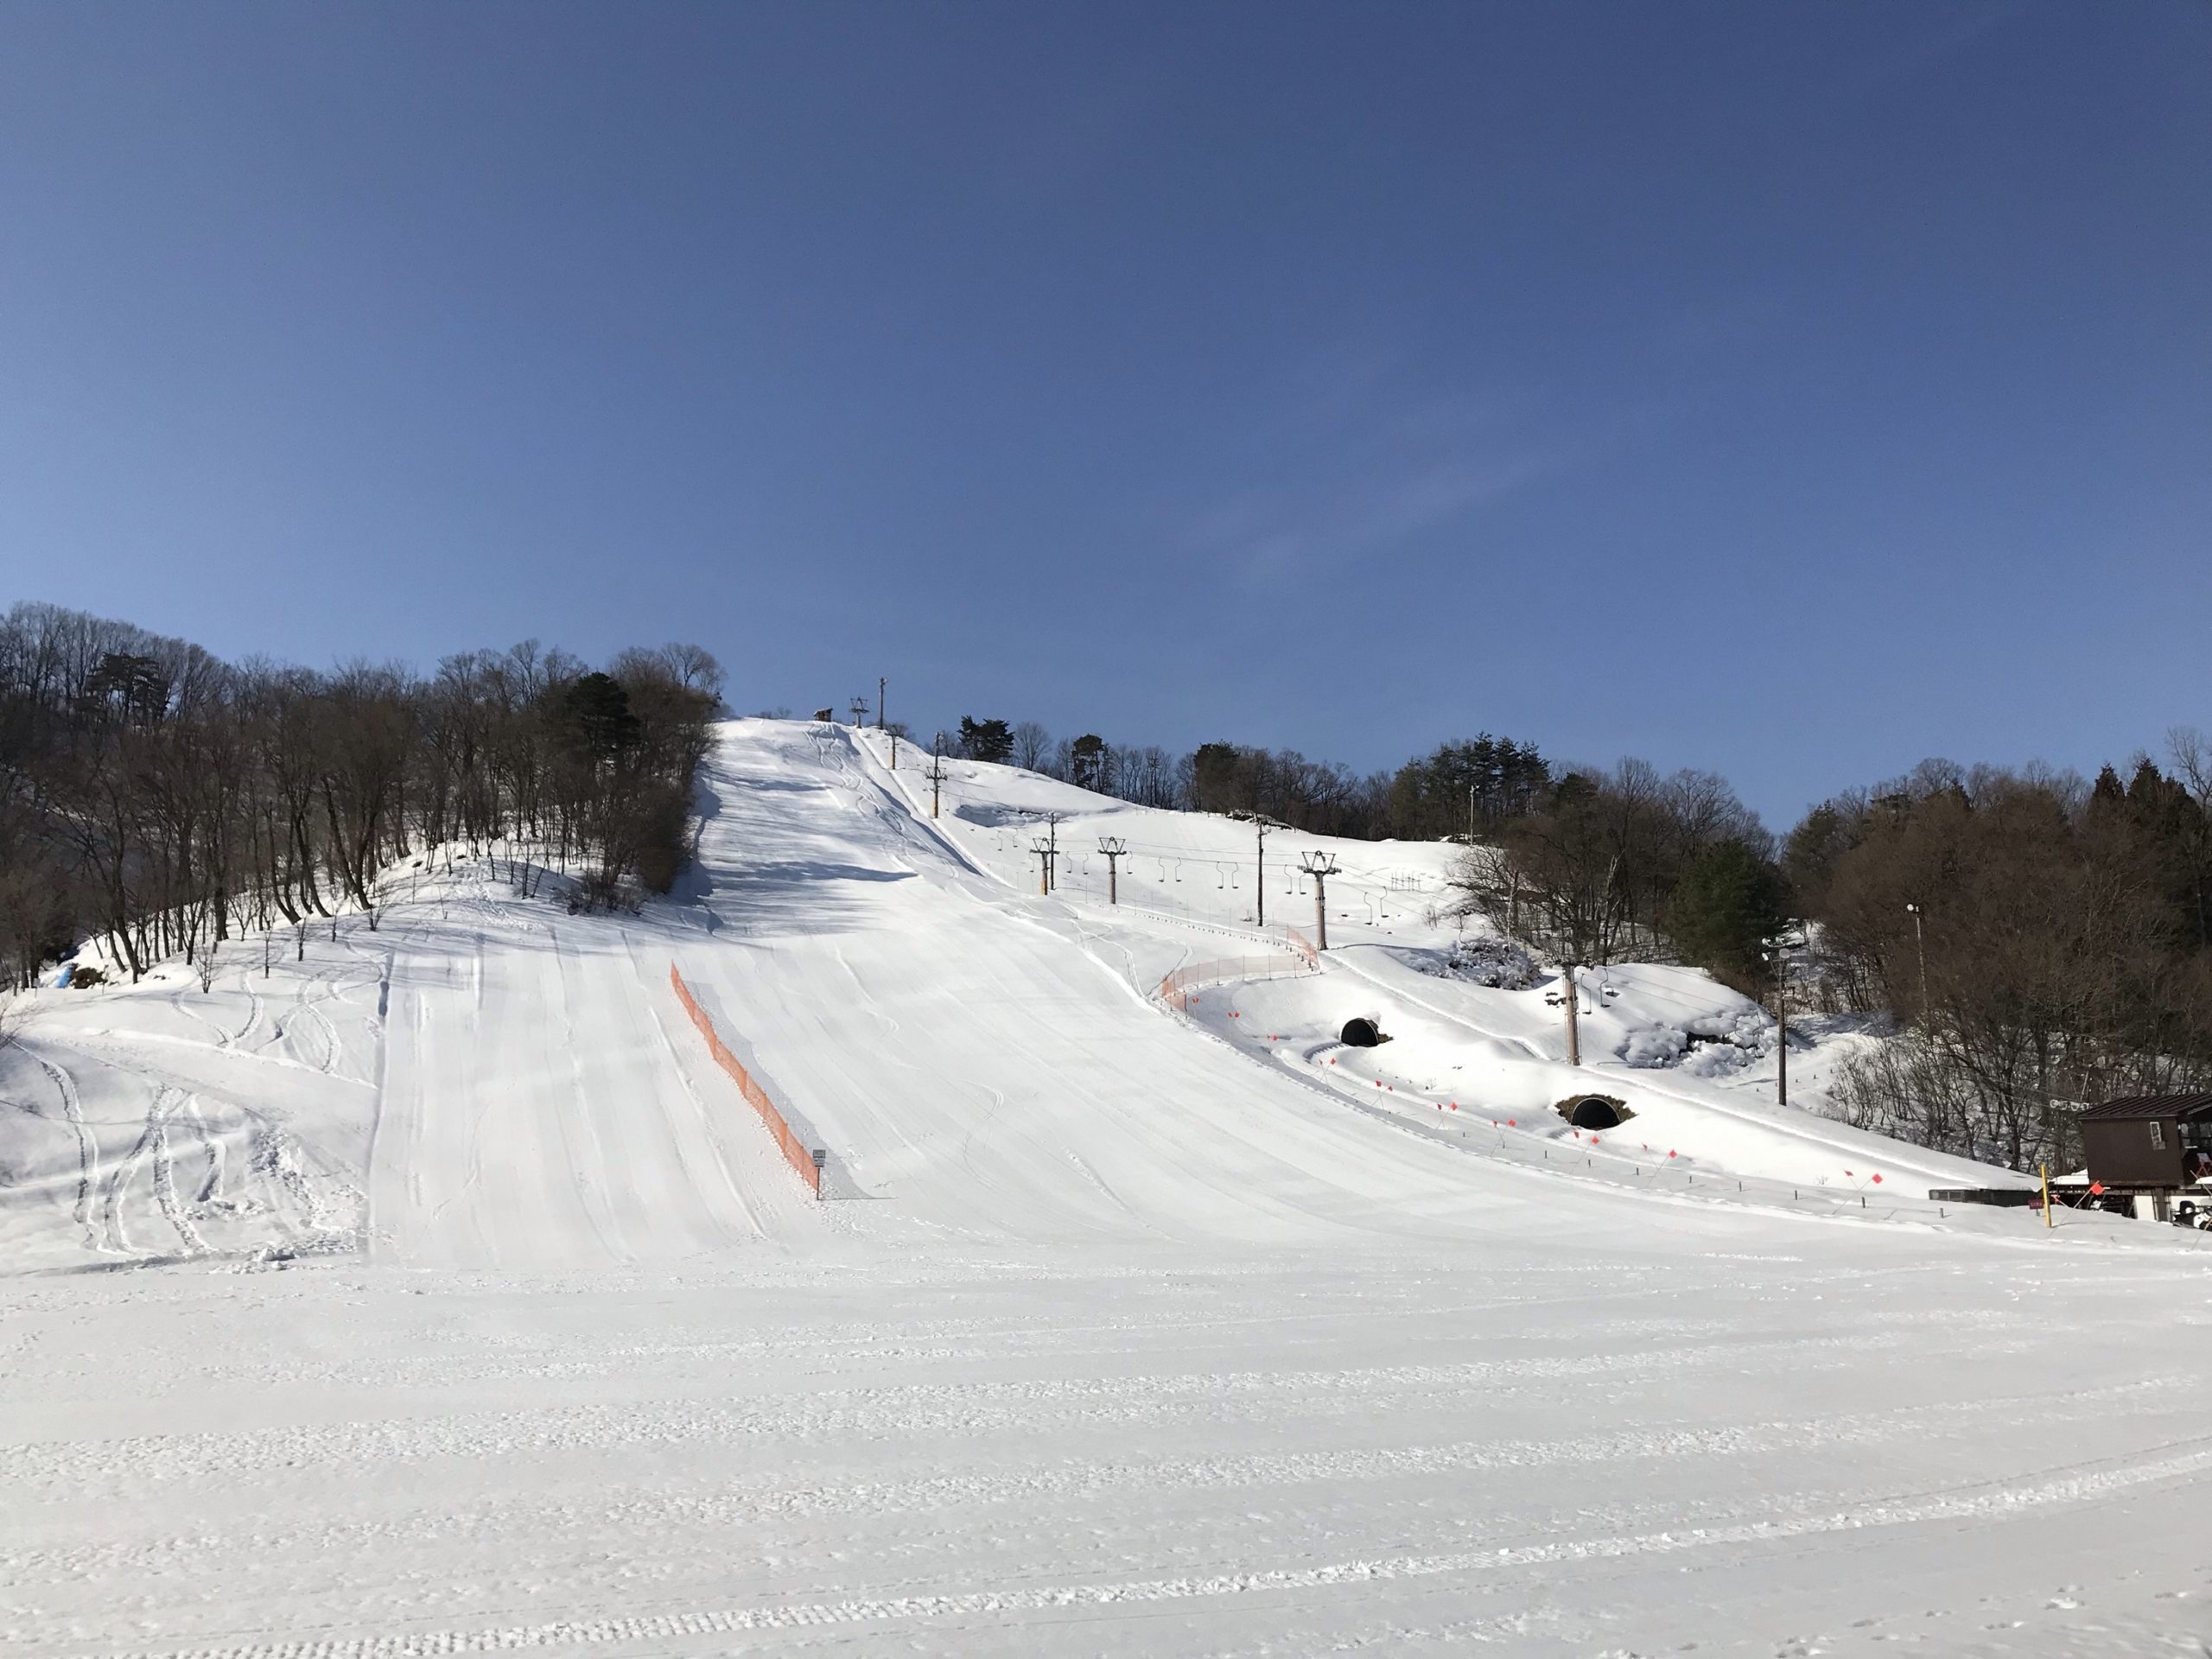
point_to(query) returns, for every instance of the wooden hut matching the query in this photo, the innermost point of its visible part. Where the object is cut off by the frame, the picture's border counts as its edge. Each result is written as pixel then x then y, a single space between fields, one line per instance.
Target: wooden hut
pixel 2149 1142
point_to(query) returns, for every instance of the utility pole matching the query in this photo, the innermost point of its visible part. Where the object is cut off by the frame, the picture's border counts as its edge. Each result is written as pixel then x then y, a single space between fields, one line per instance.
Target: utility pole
pixel 1042 848
pixel 1781 1040
pixel 1777 951
pixel 1920 948
pixel 1320 867
pixel 1471 815
pixel 1049 847
pixel 1260 871
pixel 936 772
pixel 880 685
pixel 1114 848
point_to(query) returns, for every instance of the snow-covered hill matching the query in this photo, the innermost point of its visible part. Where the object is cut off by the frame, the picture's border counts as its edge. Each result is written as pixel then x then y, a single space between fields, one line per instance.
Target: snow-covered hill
pixel 1122 1329
pixel 1187 892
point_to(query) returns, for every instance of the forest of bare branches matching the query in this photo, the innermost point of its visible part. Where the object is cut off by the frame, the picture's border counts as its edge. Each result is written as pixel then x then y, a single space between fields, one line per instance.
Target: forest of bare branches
pixel 158 799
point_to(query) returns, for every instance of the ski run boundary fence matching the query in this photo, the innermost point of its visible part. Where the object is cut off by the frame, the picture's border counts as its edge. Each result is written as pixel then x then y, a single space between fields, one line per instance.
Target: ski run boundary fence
pixel 806 1163
pixel 1178 987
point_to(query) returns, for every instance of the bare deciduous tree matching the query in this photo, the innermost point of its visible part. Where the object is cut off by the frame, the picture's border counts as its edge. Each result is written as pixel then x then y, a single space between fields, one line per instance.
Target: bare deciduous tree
pixel 2041 938
pixel 162 800
pixel 1031 743
pixel 1587 874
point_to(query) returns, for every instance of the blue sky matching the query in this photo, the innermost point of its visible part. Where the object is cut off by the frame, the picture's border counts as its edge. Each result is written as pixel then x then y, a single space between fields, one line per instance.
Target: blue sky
pixel 1791 391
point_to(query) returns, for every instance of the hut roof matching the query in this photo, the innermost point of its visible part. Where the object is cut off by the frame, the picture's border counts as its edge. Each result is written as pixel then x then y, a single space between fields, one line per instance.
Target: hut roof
pixel 2189 1106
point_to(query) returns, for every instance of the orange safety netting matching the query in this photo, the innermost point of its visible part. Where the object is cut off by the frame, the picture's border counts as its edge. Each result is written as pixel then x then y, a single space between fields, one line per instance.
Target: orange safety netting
pixel 794 1150
pixel 1177 989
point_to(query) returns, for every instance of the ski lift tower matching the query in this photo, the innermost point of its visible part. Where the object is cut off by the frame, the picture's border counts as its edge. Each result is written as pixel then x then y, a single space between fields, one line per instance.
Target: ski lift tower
pixel 1570 999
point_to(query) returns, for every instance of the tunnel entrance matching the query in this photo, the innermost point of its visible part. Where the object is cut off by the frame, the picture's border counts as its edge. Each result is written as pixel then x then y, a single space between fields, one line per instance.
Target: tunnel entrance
pixel 1360 1033
pixel 1594 1111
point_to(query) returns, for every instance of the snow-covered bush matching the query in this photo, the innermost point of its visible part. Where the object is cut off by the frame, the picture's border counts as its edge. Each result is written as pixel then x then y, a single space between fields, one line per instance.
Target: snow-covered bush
pixel 1711 1045
pixel 1652 1046
pixel 1498 963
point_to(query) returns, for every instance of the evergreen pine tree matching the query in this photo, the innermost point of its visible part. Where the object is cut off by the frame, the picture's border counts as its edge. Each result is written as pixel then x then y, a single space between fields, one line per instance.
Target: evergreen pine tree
pixel 986 740
pixel 1728 903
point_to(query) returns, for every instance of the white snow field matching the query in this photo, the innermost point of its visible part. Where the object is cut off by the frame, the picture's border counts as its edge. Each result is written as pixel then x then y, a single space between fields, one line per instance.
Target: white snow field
pixel 437 1293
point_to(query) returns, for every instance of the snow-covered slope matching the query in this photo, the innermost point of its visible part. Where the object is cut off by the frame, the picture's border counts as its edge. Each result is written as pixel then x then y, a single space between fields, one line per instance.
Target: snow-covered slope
pixel 1121 1331
pixel 1188 889
pixel 477 1081
pixel 486 1080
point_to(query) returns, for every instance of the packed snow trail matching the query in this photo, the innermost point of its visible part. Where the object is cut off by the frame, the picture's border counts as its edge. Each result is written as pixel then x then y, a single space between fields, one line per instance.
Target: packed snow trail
pixel 987 1064
pixel 1116 1338
pixel 966 1064
pixel 1121 1450
pixel 589 1130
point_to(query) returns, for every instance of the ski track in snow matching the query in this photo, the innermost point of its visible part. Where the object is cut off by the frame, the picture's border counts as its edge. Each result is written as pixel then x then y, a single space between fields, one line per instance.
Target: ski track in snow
pixel 2069 1489
pixel 88 1162
pixel 666 1515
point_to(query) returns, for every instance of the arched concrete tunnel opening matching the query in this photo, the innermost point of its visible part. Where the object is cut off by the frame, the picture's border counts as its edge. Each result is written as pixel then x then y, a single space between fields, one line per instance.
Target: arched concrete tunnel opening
pixel 1594 1111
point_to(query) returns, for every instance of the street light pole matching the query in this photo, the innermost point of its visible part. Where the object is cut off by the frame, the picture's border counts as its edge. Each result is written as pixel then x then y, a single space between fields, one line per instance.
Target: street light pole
pixel 1920 948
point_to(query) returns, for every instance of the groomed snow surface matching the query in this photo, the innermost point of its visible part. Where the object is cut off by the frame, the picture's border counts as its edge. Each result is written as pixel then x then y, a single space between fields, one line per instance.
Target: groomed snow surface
pixel 434 1292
